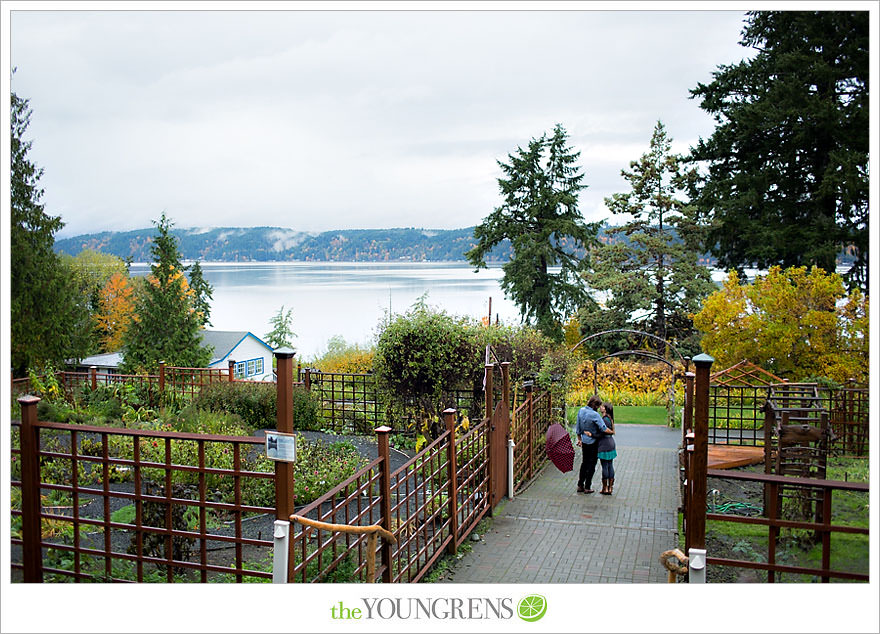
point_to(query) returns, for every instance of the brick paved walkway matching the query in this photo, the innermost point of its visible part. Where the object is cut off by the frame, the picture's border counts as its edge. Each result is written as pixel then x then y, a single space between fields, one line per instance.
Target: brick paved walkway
pixel 549 533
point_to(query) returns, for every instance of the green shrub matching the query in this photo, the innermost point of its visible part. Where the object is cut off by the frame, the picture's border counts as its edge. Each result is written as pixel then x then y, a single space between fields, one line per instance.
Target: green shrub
pixel 320 466
pixel 255 404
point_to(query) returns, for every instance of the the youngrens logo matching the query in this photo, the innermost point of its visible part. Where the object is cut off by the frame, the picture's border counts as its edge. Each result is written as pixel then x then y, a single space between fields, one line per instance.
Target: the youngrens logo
pixel 529 608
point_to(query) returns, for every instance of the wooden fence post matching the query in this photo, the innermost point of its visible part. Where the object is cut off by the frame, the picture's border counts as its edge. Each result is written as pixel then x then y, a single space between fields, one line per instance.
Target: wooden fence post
pixel 505 382
pixel 530 422
pixel 284 502
pixel 688 420
pixel 385 488
pixel 769 421
pixel 161 376
pixel 93 376
pixel 231 370
pixel 490 386
pixel 490 411
pixel 449 416
pixel 701 452
pixel 307 379
pixel 31 530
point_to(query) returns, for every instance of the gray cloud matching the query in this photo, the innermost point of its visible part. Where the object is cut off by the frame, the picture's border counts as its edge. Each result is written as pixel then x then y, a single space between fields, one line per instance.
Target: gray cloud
pixel 317 120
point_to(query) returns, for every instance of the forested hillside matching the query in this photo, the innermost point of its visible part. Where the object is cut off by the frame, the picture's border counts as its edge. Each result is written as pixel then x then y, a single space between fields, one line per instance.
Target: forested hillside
pixel 261 244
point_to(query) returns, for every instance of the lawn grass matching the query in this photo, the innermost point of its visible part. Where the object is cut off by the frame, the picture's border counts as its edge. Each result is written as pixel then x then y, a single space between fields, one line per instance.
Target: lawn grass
pixel 849 552
pixel 628 415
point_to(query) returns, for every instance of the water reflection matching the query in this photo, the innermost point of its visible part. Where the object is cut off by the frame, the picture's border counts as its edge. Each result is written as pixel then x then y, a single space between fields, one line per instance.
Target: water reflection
pixel 344 298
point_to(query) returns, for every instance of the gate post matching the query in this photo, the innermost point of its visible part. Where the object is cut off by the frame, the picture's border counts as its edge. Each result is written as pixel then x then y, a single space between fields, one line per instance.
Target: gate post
pixel 449 416
pixel 385 489
pixel 697 506
pixel 284 504
pixel 231 370
pixel 93 376
pixel 161 376
pixel 490 378
pixel 505 382
pixel 31 530
pixel 530 423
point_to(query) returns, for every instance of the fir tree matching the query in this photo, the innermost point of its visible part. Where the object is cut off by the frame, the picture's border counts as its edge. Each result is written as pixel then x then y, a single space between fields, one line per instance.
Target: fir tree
pixel 166 325
pixel 540 218
pixel 48 321
pixel 203 293
pixel 649 266
pixel 787 179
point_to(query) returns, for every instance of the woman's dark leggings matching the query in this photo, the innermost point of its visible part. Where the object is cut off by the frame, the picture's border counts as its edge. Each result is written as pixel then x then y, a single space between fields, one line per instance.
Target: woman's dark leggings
pixel 607 468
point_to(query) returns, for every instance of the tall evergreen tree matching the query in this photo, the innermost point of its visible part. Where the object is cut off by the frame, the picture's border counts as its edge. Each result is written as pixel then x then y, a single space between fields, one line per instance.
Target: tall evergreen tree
pixel 203 292
pixel 166 325
pixel 787 178
pixel 650 267
pixel 48 322
pixel 540 218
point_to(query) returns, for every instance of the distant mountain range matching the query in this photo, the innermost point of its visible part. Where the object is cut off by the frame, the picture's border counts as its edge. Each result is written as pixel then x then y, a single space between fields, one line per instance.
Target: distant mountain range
pixel 276 244
pixel 266 244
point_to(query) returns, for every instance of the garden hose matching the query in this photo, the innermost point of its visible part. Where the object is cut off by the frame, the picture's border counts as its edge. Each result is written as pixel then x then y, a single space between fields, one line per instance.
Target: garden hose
pixel 740 508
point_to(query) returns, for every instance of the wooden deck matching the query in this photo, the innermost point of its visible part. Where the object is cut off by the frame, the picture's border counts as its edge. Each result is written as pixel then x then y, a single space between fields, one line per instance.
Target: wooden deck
pixel 730 456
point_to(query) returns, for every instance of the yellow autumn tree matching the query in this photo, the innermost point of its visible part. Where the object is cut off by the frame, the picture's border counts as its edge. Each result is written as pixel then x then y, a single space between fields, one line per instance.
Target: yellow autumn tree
pixel 115 312
pixel 795 323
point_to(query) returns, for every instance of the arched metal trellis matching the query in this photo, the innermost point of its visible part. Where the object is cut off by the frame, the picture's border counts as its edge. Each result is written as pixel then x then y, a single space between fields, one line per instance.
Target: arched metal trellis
pixel 639 353
pixel 684 360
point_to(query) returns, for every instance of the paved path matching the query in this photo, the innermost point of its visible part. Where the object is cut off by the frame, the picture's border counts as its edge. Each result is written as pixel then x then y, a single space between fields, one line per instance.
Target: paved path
pixel 549 533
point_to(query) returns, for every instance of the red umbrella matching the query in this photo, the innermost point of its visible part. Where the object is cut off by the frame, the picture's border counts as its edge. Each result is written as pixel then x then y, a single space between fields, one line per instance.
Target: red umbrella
pixel 559 448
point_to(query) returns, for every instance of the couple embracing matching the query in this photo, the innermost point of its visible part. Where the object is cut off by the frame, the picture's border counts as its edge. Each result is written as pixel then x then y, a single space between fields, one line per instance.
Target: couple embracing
pixel 595 434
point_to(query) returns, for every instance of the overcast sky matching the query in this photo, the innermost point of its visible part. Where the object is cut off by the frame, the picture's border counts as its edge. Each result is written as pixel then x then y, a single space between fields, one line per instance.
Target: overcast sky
pixel 319 120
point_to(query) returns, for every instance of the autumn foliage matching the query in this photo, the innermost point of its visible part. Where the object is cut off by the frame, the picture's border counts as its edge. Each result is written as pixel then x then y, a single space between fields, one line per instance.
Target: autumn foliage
pixel 115 312
pixel 797 324
pixel 621 381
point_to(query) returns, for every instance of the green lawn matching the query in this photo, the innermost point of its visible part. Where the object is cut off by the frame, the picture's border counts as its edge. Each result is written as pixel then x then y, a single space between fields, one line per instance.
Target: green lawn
pixel 630 414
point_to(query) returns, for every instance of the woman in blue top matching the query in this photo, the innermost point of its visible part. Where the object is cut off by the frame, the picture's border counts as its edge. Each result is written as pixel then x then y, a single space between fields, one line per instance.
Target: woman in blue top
pixel 607 450
pixel 590 427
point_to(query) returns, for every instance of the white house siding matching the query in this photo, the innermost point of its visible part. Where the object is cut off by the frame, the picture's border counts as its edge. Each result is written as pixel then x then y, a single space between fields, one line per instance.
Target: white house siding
pixel 250 349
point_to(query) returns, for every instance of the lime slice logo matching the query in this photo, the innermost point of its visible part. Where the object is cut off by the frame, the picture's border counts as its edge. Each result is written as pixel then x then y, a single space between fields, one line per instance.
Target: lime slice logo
pixel 532 607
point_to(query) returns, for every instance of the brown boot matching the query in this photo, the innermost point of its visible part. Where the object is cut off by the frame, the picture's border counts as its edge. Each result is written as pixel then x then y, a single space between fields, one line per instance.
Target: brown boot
pixel 604 490
pixel 610 485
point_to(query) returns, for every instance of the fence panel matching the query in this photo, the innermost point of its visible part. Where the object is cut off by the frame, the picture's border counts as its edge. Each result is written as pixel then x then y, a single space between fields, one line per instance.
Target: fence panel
pixel 542 418
pixel 735 414
pixel 420 511
pixel 848 411
pixel 775 519
pixel 520 427
pixel 128 505
pixel 350 403
pixel 190 381
pixel 320 556
pixel 472 478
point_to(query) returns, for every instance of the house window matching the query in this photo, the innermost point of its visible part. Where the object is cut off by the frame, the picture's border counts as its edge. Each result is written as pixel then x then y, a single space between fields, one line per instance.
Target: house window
pixel 249 368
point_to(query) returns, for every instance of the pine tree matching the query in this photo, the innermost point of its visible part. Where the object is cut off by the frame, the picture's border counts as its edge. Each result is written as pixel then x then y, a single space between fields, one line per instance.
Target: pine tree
pixel 166 325
pixel 48 322
pixel 281 334
pixel 540 218
pixel 787 179
pixel 650 265
pixel 203 292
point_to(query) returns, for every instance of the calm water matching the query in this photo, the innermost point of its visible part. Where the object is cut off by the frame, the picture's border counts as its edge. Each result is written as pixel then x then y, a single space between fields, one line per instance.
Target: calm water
pixel 344 298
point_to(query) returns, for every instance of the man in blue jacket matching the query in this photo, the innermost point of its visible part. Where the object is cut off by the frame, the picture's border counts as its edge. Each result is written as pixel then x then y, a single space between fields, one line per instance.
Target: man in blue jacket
pixel 589 428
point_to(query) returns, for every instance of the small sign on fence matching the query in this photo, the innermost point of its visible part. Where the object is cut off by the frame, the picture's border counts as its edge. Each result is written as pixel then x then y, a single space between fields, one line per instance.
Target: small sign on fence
pixel 280 446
